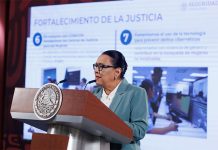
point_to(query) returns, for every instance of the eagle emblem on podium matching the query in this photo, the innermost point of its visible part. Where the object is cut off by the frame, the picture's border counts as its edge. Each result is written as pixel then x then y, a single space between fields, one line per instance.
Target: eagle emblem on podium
pixel 47 101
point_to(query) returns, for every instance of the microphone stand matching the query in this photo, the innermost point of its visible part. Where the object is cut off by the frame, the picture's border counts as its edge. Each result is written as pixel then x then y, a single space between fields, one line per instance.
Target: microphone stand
pixel 89 83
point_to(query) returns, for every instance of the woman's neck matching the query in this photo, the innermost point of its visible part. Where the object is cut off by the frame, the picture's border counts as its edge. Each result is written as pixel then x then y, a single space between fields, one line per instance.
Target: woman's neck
pixel 111 87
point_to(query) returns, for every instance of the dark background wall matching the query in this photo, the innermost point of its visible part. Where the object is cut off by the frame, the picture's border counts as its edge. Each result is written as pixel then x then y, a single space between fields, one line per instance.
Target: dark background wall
pixel 2 60
pixel 13 31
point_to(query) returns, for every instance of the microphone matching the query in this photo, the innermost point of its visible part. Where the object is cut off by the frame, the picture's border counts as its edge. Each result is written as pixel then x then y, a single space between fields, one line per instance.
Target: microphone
pixel 62 81
pixel 89 83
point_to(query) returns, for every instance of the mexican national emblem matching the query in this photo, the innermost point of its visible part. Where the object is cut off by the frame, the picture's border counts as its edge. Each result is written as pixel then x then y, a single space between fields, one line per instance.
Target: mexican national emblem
pixel 47 101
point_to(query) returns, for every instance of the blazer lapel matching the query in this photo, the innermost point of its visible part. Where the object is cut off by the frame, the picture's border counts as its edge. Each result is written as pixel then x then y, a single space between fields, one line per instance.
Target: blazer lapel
pixel 119 94
pixel 99 94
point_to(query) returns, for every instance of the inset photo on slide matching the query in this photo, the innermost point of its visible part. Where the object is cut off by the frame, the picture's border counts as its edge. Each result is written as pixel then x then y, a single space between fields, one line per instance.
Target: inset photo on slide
pixel 177 98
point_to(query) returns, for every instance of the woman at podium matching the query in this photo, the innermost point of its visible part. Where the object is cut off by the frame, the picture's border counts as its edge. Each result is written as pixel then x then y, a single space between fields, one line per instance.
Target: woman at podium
pixel 125 100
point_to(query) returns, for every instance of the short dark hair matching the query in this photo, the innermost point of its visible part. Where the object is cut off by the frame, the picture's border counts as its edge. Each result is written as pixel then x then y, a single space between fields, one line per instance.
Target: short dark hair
pixel 147 84
pixel 157 70
pixel 118 60
pixel 84 80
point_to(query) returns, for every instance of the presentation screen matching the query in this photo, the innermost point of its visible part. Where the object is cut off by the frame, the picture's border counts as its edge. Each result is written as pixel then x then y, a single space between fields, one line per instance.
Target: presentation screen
pixel 180 38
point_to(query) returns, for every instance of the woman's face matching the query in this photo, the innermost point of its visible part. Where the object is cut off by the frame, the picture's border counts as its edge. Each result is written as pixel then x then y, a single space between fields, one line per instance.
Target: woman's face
pixel 104 75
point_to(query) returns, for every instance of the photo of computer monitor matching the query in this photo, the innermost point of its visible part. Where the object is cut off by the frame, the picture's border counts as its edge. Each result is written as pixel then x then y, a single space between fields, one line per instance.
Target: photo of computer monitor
pixel 72 76
pixel 181 106
pixel 49 75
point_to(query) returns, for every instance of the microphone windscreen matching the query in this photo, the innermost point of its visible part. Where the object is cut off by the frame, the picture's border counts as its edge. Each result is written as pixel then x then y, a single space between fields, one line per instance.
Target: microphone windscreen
pixel 91 81
pixel 63 81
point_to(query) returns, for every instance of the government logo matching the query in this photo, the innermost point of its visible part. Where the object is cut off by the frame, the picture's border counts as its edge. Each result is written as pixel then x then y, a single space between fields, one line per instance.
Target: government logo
pixel 47 101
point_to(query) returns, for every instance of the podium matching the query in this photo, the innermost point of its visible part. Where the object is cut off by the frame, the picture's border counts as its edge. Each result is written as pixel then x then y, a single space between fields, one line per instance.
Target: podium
pixel 84 119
